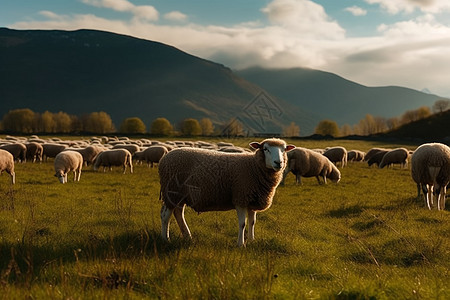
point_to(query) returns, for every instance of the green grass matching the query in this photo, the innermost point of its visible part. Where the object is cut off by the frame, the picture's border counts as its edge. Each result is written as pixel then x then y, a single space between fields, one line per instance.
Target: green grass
pixel 367 237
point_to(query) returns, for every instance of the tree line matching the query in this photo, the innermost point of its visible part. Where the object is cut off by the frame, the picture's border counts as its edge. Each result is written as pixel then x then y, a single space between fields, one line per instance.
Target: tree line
pixel 26 121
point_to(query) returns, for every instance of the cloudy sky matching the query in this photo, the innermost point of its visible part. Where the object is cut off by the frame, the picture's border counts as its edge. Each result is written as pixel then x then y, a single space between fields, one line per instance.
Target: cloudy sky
pixel 372 42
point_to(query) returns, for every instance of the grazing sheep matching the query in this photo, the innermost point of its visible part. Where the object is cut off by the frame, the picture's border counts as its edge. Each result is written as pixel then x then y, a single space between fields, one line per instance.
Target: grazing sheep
pixel 377 157
pixel 337 155
pixel 208 180
pixel 18 151
pixel 304 162
pixel 7 164
pixel 34 151
pixel 395 156
pixel 114 157
pixel 355 155
pixel 430 169
pixel 372 152
pixel 51 149
pixel 89 153
pixel 153 154
pixel 67 161
pixel 130 147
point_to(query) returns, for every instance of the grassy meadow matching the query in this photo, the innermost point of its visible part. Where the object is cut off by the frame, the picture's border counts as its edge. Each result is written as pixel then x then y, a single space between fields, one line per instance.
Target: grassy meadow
pixel 367 237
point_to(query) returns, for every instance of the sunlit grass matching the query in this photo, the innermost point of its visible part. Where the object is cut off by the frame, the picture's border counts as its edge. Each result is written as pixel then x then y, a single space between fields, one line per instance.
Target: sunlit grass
pixel 367 237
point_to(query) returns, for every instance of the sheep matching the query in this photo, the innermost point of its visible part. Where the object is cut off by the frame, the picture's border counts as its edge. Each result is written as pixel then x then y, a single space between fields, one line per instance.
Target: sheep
pixel 377 157
pixel 130 147
pixel 153 154
pixel 89 153
pixel 208 180
pixel 337 155
pixel 67 161
pixel 355 155
pixel 114 157
pixel 372 152
pixel 18 151
pixel 7 164
pixel 52 149
pixel 430 170
pixel 395 156
pixel 34 151
pixel 308 163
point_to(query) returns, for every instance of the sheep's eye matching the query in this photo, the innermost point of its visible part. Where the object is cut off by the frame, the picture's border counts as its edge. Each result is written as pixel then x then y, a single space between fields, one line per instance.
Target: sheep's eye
pixel 265 149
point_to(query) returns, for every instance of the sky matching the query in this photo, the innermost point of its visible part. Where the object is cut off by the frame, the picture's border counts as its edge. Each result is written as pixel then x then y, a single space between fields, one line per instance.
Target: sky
pixel 372 42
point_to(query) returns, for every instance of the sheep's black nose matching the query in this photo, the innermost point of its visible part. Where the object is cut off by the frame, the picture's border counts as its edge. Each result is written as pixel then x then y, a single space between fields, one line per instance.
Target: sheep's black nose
pixel 277 163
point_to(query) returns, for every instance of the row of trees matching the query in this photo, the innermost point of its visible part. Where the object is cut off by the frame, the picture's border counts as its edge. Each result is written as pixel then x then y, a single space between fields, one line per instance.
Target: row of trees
pixel 26 121
pixel 374 124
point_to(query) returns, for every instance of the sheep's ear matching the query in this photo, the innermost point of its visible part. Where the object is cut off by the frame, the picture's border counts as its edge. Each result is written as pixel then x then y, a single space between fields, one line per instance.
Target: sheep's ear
pixel 255 145
pixel 289 148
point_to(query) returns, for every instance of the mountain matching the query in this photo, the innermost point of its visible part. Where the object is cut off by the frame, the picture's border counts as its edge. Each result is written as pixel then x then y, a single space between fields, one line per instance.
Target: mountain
pixel 83 71
pixel 332 97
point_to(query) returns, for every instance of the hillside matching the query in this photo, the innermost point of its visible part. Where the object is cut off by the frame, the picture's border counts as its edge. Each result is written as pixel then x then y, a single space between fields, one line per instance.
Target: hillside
pixel 435 128
pixel 83 71
pixel 333 97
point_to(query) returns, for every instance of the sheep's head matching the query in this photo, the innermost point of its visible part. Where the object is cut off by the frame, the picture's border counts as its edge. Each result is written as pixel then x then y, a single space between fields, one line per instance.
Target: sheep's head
pixel 274 151
pixel 61 177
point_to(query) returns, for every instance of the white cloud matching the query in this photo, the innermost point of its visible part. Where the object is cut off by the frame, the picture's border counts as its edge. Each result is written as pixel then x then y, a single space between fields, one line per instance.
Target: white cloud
pixel 144 12
pixel 408 6
pixel 356 11
pixel 176 16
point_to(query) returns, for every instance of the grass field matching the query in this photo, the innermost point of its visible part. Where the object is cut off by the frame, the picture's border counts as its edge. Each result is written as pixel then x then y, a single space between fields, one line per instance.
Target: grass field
pixel 367 237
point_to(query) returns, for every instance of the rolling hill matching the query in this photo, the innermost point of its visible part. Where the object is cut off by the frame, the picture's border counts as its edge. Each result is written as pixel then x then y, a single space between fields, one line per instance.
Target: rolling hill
pixel 83 71
pixel 333 97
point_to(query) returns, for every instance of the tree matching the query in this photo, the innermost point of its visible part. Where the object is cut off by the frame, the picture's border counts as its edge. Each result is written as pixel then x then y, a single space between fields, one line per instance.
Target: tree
pixel 207 126
pixel 291 130
pixel 191 127
pixel 327 127
pixel 414 115
pixel 19 120
pixel 47 123
pixel 133 125
pixel 346 130
pixel 441 105
pixel 63 122
pixel 233 128
pixel 98 122
pixel 161 126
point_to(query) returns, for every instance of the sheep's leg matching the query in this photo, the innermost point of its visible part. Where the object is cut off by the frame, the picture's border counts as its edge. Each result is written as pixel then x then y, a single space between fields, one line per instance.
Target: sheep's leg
pixel 441 198
pixel 166 213
pixel 251 224
pixel 418 190
pixel 298 179
pixel 178 212
pixel 242 219
pixel 65 177
pixel 429 196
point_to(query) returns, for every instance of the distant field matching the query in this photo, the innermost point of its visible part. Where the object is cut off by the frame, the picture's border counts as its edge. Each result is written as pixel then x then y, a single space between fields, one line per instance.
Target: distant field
pixel 367 237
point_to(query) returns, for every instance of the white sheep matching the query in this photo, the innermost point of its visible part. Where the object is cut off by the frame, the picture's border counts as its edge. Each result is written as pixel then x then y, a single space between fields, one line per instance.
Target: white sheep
pixel 337 155
pixel 153 154
pixel 430 169
pixel 7 164
pixel 377 157
pixel 395 156
pixel 114 157
pixel 355 155
pixel 208 180
pixel 303 162
pixel 67 161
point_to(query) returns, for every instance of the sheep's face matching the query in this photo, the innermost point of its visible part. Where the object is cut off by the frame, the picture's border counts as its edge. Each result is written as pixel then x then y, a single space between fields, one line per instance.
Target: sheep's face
pixel 274 154
pixel 60 177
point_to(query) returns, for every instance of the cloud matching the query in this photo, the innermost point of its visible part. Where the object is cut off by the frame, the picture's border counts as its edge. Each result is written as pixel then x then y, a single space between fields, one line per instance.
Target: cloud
pixel 409 6
pixel 307 17
pixel 356 11
pixel 176 16
pixel 144 12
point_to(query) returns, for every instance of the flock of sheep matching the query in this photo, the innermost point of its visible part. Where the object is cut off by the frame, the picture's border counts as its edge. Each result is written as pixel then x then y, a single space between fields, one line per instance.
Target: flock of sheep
pixel 220 176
